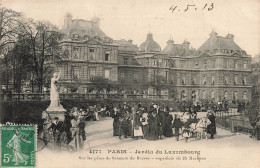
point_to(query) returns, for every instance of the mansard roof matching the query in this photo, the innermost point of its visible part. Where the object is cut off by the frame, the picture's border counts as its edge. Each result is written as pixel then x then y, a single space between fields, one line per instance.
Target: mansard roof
pixel 177 49
pixel 219 44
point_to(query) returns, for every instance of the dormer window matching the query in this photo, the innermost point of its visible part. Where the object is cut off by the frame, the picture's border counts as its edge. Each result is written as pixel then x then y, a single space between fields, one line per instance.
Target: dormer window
pixel 96 38
pixel 86 37
pixel 75 36
pixel 231 51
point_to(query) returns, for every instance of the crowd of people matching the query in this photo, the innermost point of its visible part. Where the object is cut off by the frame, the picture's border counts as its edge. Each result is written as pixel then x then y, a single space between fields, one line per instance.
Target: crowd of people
pixel 137 122
pixel 154 122
pixel 69 131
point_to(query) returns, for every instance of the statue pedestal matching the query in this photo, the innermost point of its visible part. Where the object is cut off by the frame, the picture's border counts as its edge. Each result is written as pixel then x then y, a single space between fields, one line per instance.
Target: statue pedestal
pixel 53 112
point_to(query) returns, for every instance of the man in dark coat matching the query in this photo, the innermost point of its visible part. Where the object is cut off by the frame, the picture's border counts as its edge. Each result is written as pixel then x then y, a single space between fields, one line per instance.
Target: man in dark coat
pixel 211 129
pixel 153 126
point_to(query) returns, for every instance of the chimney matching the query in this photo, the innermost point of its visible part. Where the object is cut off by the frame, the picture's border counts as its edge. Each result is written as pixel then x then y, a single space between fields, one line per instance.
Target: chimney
pixel 213 34
pixel 170 42
pixel 230 36
pixel 130 41
pixel 96 21
pixel 186 44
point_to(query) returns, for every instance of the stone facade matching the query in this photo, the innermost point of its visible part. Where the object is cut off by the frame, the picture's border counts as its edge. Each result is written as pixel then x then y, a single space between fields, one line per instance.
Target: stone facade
pixel 218 70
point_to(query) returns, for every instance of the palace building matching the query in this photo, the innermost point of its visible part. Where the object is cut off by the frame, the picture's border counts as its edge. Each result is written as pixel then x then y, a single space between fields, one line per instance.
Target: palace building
pixel 219 69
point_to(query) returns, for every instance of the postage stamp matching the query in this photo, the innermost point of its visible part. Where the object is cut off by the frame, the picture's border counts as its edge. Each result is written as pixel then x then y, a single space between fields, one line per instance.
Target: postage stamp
pixel 18 145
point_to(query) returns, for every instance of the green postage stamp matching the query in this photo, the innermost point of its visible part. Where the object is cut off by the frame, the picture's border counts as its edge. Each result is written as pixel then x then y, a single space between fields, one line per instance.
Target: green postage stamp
pixel 18 145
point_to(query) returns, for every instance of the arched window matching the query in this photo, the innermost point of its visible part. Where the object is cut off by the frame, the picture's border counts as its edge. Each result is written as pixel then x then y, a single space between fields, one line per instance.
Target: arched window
pixel 226 94
pixel 193 94
pixel 245 95
pixel 203 94
pixel 226 80
pixel 235 95
pixel 212 94
pixel 204 80
pixel 183 95
pixel 245 65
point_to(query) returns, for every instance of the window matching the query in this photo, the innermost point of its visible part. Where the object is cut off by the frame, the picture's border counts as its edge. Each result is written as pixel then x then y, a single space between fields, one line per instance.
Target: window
pixel 245 65
pixel 212 94
pixel 86 37
pixel 107 74
pixel 235 95
pixel 226 95
pixel 245 95
pixel 135 77
pixel 203 94
pixel 125 60
pixel 75 53
pixel 204 80
pixel 196 65
pixel 154 73
pixel 193 79
pixel 167 76
pixel 75 72
pixel 183 95
pixel 235 80
pixel 213 63
pixel 193 94
pixel 106 56
pixel 236 65
pixel 92 73
pixel 122 76
pixel 154 63
pixel 205 64
pixel 227 64
pixel 92 54
pixel 166 63
pixel 212 80
pixel 75 36
pixel 226 80
pixel 182 64
pixel 244 80
pixel 183 80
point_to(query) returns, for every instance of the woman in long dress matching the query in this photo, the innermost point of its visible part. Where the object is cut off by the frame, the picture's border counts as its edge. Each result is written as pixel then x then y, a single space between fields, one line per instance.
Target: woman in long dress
pixel 54 93
pixel 18 156
pixel 116 123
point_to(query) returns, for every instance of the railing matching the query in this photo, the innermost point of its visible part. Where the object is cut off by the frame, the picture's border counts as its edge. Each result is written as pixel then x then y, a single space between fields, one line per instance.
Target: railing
pixel 230 112
pixel 70 96
pixel 234 124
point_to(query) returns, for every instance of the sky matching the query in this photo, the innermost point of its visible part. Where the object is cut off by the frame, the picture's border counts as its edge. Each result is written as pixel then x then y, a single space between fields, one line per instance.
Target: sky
pixel 133 19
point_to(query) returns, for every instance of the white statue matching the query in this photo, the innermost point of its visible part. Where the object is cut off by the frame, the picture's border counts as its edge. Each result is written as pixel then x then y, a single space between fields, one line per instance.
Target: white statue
pixel 54 94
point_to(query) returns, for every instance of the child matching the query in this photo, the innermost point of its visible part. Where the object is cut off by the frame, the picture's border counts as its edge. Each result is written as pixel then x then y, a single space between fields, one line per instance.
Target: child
pixel 177 124
pixel 186 131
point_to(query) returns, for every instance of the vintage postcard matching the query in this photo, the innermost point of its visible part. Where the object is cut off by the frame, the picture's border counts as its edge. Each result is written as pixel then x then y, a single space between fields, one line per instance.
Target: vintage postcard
pixel 130 83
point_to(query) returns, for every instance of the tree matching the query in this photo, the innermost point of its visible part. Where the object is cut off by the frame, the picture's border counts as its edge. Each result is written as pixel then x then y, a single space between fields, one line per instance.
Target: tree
pixel 45 49
pixel 20 61
pixel 9 26
pixel 160 83
pixel 99 84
